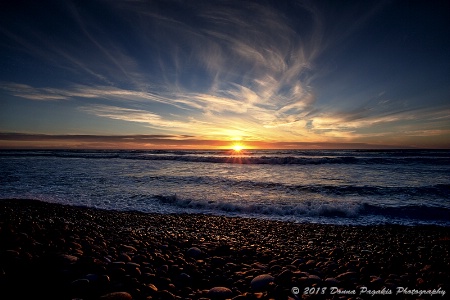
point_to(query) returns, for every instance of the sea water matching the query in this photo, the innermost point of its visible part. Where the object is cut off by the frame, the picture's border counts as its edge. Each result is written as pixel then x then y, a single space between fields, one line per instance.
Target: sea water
pixel 356 187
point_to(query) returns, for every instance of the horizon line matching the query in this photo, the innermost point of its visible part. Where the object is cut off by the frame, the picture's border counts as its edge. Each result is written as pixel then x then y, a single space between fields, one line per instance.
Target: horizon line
pixel 28 141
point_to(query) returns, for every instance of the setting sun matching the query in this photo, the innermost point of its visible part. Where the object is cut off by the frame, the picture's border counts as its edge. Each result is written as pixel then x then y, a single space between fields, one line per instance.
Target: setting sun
pixel 237 147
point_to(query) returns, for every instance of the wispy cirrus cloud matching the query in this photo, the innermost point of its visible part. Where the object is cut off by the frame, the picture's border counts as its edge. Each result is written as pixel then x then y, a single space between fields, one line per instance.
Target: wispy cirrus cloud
pixel 230 63
pixel 132 115
pixel 206 126
pixel 31 93
pixel 242 116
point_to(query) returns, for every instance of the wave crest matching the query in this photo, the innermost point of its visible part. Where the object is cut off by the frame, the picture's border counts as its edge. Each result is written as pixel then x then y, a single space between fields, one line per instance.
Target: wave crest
pixel 308 209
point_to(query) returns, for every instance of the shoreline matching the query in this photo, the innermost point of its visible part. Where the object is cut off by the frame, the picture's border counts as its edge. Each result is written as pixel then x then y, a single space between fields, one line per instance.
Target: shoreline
pixel 67 252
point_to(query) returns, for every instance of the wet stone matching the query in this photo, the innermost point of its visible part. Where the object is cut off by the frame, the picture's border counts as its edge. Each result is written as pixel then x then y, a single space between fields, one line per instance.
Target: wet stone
pixel 261 282
pixel 117 296
pixel 314 279
pixel 166 295
pixel 127 248
pixel 331 281
pixel 284 277
pixel 347 276
pixel 219 292
pixel 124 257
pixel 194 252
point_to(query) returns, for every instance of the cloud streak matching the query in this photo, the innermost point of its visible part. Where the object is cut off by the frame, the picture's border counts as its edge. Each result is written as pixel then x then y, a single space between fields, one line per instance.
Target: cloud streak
pixel 12 140
pixel 242 116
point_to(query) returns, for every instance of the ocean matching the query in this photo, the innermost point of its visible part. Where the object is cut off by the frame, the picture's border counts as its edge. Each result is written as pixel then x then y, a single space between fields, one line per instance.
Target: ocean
pixel 354 187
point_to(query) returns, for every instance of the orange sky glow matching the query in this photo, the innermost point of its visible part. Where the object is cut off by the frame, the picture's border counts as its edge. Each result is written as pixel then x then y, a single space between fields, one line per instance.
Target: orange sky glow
pixel 43 141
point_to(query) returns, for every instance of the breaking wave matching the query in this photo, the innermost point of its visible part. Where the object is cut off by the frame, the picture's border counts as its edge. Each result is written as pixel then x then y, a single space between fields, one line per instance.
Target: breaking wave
pixel 331 210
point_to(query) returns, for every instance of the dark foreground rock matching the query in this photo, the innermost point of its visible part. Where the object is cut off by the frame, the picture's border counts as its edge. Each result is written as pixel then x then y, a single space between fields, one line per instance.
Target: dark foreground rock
pixel 52 251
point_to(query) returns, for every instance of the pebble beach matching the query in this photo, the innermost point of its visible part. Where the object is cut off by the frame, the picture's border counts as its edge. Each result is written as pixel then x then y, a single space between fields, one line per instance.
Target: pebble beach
pixel 54 251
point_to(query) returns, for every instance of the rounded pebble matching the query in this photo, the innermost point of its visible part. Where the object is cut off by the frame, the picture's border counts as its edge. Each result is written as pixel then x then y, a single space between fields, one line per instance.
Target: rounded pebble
pixel 261 282
pixel 220 292
pixel 194 252
pixel 117 296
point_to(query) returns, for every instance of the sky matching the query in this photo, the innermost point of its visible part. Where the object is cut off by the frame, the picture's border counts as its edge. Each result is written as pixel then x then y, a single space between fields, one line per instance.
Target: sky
pixel 138 74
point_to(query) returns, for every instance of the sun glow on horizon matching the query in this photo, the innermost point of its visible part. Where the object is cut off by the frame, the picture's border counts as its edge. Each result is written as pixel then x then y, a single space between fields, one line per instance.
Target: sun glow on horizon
pixel 237 147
